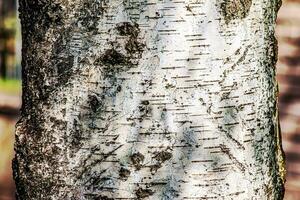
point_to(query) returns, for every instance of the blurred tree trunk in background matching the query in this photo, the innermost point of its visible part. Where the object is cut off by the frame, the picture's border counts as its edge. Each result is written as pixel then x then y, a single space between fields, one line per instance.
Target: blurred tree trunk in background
pixel 130 99
pixel 6 9
pixel 3 36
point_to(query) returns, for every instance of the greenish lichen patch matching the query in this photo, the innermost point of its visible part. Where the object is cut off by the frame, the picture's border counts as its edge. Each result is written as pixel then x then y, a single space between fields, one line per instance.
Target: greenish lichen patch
pixel 235 9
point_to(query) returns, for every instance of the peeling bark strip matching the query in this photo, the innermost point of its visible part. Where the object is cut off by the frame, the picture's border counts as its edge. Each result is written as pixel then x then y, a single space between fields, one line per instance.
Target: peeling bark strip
pixel 142 99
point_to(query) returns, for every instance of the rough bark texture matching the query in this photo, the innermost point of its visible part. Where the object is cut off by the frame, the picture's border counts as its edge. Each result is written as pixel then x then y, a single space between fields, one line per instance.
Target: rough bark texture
pixel 144 99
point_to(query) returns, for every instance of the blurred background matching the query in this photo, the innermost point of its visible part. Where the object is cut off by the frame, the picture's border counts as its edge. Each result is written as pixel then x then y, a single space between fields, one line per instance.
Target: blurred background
pixel 10 91
pixel 288 74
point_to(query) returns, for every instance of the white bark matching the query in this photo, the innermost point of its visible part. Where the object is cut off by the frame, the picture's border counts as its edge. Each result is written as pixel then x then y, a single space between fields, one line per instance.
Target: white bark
pixel 129 99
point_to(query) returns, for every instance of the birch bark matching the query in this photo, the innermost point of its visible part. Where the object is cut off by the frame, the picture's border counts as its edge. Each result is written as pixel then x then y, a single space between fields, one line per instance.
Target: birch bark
pixel 145 99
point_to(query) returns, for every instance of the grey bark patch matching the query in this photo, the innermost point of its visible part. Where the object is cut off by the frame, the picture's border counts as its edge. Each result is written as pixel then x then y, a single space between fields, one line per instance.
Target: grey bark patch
pixel 143 193
pixel 235 9
pixel 137 160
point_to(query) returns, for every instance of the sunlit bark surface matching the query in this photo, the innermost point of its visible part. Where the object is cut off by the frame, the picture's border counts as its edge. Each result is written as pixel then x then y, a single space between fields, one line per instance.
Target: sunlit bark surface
pixel 144 99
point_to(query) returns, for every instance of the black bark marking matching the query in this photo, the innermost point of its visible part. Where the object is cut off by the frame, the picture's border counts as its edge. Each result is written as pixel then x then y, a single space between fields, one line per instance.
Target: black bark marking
pixel 113 60
pixel 62 61
pixel 57 68
pixel 163 156
pixel 279 4
pixel 39 16
pixel 119 88
pixel 235 9
pixel 111 57
pixel 128 29
pixel 103 198
pixel 146 103
pixel 144 109
pixel 76 135
pixel 64 66
pixel 226 151
pixel 134 48
pixel 95 103
pixel 91 13
pixel 154 168
pixel 137 160
pixel 124 173
pixel 143 193
pixel 88 163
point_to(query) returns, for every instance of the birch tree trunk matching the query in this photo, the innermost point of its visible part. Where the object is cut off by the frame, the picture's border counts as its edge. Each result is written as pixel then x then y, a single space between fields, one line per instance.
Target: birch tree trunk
pixel 145 99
